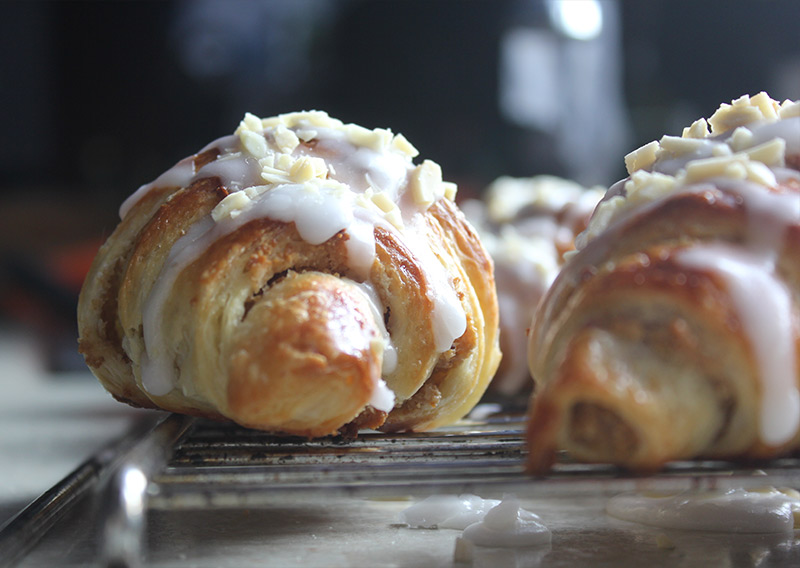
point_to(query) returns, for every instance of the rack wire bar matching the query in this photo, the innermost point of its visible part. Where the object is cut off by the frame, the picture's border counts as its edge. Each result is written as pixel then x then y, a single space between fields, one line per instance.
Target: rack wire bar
pixel 223 466
pixel 23 531
pixel 123 518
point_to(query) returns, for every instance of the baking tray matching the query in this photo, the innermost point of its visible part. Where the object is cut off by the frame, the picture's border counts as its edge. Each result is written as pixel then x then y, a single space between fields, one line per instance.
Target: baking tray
pixel 175 463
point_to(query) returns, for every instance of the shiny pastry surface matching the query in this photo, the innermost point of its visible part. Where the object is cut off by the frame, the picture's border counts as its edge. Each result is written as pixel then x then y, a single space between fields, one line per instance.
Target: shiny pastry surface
pixel 302 276
pixel 673 331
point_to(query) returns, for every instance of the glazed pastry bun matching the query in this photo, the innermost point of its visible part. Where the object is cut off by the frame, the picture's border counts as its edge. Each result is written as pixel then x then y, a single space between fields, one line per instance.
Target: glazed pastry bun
pixel 301 276
pixel 673 332
pixel 527 225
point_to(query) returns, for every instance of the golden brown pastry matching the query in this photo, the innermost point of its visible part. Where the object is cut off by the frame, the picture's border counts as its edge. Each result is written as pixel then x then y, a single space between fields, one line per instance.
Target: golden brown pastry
pixel 527 225
pixel 301 276
pixel 673 332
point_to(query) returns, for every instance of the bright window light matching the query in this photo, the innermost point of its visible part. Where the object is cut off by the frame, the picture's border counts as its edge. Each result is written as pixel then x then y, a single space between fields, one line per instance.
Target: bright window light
pixel 577 19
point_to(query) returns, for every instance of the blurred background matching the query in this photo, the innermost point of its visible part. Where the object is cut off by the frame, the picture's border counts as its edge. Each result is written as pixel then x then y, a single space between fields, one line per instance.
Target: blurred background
pixel 98 98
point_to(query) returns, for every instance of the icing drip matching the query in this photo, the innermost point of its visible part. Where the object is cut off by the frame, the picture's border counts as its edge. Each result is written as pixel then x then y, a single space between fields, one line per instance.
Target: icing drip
pixel 507 525
pixel 486 523
pixel 448 511
pixel 179 175
pixel 764 307
pixel 733 511
pixel 325 177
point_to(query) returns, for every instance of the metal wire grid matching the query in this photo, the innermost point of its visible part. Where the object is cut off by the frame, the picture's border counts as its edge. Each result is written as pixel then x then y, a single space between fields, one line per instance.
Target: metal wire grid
pixel 186 463
pixel 223 466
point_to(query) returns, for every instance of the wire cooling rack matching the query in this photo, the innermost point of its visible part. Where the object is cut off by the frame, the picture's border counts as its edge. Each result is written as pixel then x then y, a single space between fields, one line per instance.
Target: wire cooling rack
pixel 180 463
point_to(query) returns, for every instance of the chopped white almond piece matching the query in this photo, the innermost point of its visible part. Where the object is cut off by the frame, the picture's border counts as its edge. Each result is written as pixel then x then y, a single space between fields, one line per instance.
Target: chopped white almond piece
pixel 729 117
pixel 284 162
pixel 450 190
pixel 382 139
pixel 254 191
pixel 252 122
pixel 364 200
pixel 383 202
pixel 306 168
pixel 767 106
pixel 274 121
pixel 394 218
pixel 741 138
pixel 285 139
pixel 720 150
pixel 320 167
pixel 771 153
pixel 316 118
pixel 358 134
pixel 678 146
pixel 698 129
pixel 426 182
pixel 377 139
pixel 647 186
pixel 710 167
pixel 642 157
pixel 306 134
pixel 271 170
pixel 761 173
pixel 230 205
pixel 275 176
pixel 789 109
pixel 735 170
pixel 274 169
pixel 401 143
pixel 255 144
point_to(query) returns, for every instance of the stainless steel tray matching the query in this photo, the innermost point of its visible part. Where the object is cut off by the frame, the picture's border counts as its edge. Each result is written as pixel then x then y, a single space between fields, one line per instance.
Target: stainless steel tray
pixel 183 463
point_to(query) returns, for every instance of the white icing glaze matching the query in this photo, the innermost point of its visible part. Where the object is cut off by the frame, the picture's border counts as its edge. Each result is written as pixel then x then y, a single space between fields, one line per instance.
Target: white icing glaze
pixel 744 155
pixel 494 533
pixel 508 526
pixel 733 510
pixel 449 318
pixel 237 170
pixel 485 522
pixel 158 374
pixel 764 306
pixel 447 511
pixel 179 175
pixel 758 139
pixel 350 179
pixel 382 397
pixel 389 350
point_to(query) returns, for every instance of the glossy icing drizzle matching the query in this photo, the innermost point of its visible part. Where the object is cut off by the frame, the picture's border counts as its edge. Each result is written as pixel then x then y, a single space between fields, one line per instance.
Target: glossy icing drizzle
pixel 744 153
pixel 767 510
pixel 325 177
